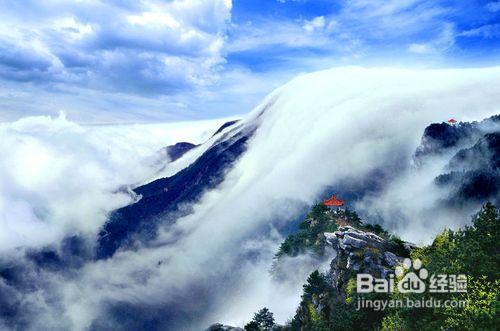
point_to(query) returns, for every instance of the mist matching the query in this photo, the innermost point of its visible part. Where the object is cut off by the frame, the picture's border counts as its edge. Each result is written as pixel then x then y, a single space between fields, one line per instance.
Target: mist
pixel 312 133
pixel 58 178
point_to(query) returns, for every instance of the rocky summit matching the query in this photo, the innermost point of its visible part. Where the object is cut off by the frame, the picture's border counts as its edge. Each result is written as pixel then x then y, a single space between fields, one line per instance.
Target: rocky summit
pixel 360 251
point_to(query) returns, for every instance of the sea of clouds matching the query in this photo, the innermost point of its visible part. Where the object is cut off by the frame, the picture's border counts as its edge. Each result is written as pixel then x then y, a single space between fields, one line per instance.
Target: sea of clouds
pixel 59 178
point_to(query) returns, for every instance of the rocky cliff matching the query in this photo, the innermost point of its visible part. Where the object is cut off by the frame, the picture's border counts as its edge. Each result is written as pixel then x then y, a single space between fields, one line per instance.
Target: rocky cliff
pixel 357 250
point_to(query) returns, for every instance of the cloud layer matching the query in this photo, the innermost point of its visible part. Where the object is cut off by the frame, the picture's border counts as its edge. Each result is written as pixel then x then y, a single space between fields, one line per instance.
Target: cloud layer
pixel 316 131
pixel 125 61
pixel 110 51
pixel 148 46
pixel 59 178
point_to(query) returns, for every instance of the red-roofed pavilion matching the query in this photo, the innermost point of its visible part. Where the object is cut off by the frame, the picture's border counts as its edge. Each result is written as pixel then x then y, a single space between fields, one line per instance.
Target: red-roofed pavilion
pixel 333 202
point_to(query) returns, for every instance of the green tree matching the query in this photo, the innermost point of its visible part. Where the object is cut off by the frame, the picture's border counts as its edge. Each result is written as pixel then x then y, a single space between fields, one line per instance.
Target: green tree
pixel 252 326
pixel 263 320
pixel 474 251
pixel 316 284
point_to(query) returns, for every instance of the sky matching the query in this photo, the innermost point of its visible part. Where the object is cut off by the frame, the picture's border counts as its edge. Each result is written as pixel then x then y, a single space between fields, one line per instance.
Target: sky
pixel 158 61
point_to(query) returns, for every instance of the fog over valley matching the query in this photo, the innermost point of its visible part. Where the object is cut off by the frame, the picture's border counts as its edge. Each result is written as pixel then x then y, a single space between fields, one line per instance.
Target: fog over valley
pixel 101 228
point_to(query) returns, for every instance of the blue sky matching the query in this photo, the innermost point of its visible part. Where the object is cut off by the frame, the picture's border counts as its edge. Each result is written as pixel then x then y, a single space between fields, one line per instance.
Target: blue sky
pixel 151 60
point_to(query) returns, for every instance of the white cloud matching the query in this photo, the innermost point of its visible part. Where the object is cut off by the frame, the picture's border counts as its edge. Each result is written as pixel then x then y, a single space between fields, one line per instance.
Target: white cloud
pixel 444 41
pixel 493 6
pixel 314 24
pixel 485 31
pixel 95 49
pixel 255 36
pixel 103 61
pixel 154 60
pixel 317 130
pixel 357 29
pixel 58 178
pixel 322 33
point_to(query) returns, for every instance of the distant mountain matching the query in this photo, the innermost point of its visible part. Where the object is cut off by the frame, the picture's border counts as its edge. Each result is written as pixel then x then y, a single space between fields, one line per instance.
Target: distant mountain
pixel 485 154
pixel 439 138
pixel 472 174
pixel 177 150
pixel 162 201
pixel 226 125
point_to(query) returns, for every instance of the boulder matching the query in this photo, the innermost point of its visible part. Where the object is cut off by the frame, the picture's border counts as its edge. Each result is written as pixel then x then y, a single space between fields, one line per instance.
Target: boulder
pixel 221 327
pixel 360 251
pixel 391 259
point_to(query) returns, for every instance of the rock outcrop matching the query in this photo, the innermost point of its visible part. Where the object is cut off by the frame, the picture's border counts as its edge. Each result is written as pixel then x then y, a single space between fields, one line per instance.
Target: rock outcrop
pixel 359 252
pixel 221 327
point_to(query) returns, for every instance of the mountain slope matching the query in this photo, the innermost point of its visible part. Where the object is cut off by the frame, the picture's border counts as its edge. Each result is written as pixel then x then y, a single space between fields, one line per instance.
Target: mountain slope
pixel 161 201
pixel 177 150
pixel 330 299
pixel 472 174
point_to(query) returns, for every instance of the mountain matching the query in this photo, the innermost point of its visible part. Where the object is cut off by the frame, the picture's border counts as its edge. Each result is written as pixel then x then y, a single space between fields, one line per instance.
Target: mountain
pixel 330 300
pixel 197 244
pixel 161 201
pixel 177 150
pixel 358 250
pixel 439 138
pixel 472 174
pixel 284 127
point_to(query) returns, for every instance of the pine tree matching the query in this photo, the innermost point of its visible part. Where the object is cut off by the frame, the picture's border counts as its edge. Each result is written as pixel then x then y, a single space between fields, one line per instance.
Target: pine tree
pixel 316 284
pixel 252 326
pixel 264 319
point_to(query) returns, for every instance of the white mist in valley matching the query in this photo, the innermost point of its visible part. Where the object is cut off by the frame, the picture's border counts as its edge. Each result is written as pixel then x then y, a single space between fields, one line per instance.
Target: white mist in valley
pixel 313 132
pixel 58 178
